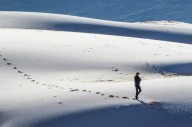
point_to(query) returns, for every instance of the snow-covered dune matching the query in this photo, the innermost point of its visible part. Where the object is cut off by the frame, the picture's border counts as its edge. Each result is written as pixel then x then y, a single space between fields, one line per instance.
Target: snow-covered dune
pixel 171 32
pixel 59 70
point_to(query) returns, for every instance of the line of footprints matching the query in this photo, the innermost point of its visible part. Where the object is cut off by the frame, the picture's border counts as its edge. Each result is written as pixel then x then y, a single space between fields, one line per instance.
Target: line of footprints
pixel 7 61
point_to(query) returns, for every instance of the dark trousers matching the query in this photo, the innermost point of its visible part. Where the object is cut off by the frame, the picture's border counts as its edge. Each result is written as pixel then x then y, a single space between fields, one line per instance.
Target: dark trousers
pixel 138 90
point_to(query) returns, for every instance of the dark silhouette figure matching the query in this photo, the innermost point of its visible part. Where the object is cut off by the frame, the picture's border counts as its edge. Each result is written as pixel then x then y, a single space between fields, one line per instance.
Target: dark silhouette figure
pixel 137 80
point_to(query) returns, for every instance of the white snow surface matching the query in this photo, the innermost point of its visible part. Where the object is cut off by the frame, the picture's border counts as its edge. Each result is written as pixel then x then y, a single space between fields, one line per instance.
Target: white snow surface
pixel 59 70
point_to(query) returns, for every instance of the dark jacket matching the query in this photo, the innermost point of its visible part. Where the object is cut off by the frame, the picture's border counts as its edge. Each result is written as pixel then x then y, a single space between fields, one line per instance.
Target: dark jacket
pixel 137 80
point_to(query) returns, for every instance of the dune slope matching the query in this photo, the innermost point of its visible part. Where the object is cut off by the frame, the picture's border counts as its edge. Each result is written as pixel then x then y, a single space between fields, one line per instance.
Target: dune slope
pixel 77 24
pixel 69 71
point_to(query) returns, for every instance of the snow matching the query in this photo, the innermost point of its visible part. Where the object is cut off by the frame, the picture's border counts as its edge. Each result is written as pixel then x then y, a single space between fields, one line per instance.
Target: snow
pixel 59 70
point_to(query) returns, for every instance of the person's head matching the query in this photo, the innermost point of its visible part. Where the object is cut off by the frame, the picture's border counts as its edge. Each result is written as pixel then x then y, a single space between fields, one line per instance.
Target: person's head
pixel 137 73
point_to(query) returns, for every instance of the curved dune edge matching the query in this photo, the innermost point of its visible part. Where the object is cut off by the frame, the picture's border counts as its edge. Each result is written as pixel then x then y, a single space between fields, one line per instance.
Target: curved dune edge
pixel 42 81
pixel 45 21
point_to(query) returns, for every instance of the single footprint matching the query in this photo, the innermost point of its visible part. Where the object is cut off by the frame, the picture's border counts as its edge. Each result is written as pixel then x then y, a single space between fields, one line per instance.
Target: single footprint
pixel 26 75
pixel 59 102
pixel 8 63
pixel 111 96
pixel 115 69
pixel 20 72
pixel 125 97
pixel 73 90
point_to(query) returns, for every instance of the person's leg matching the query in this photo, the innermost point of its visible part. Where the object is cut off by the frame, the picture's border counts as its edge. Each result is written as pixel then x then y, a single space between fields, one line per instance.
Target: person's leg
pixel 139 90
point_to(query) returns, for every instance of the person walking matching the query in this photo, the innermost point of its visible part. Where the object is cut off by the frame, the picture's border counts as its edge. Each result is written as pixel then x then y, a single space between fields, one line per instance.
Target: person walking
pixel 137 80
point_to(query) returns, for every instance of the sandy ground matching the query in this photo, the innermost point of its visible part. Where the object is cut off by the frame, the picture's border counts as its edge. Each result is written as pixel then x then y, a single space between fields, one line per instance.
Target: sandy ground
pixel 81 74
